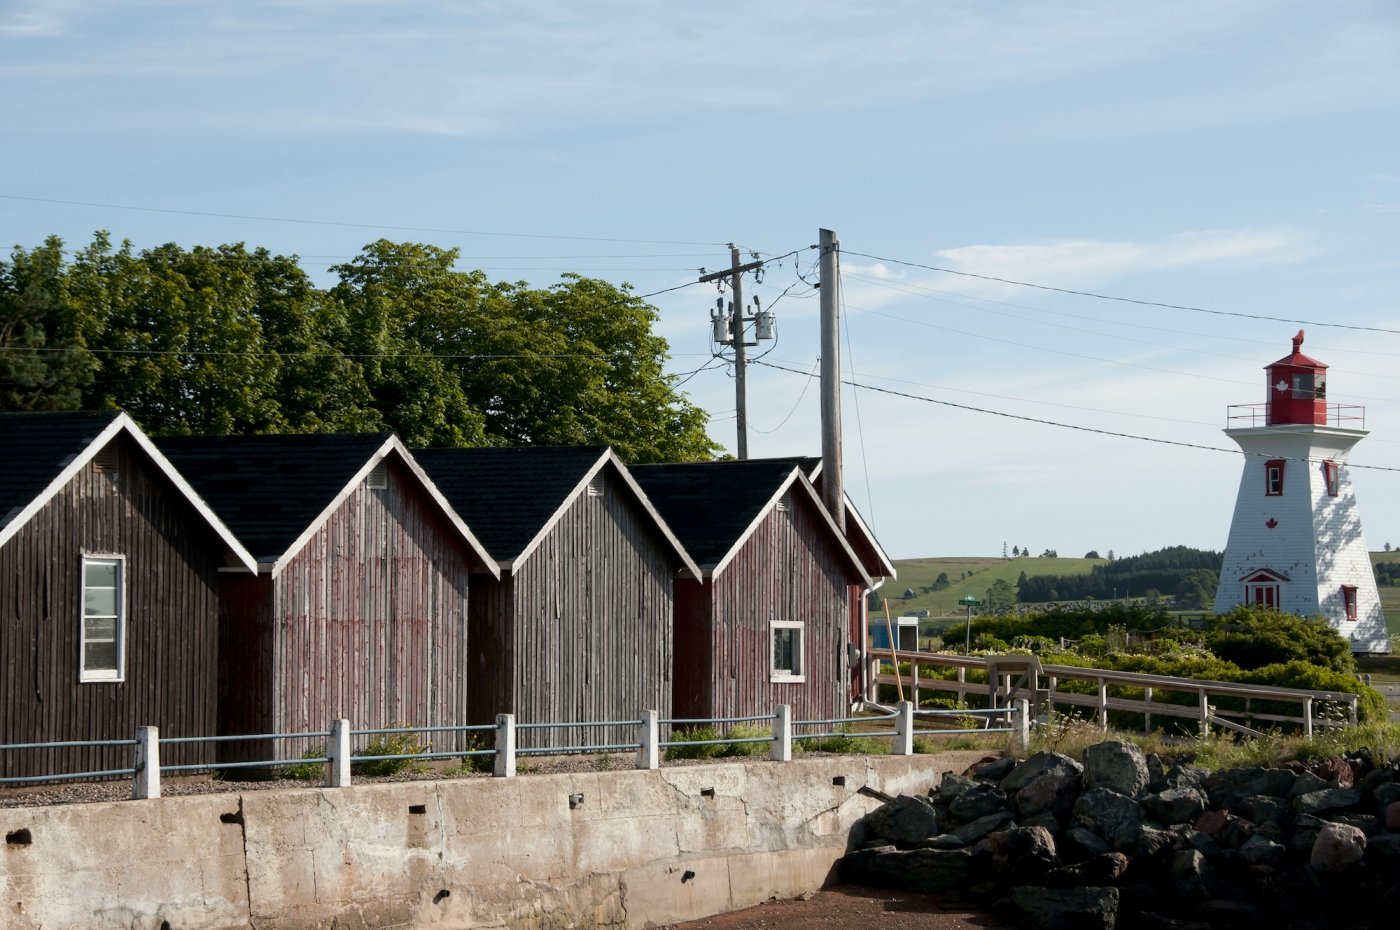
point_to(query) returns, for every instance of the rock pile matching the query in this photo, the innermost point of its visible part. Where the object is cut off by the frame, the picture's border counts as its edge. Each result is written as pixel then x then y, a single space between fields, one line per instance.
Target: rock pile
pixel 1125 840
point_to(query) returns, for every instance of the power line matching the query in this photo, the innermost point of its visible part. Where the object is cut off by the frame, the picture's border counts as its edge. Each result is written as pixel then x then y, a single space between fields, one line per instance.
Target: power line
pixel 1072 426
pixel 1127 300
pixel 346 225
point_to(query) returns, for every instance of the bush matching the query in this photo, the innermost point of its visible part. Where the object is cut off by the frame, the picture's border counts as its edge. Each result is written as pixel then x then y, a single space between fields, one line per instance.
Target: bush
pixel 1253 637
pixel 389 744
pixel 720 750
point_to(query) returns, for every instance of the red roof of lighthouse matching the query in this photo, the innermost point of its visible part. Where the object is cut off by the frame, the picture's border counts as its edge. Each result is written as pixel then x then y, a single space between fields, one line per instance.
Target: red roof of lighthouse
pixel 1297 359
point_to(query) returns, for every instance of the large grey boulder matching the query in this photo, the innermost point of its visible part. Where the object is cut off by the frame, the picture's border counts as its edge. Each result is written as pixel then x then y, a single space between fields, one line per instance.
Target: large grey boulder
pixel 1111 815
pixel 951 785
pixel 1260 850
pixel 1175 805
pixel 1047 781
pixel 1328 799
pixel 982 827
pixel 1263 808
pixel 979 801
pixel 1042 763
pixel 1339 846
pixel 1119 767
pixel 906 819
pixel 1088 908
pixel 928 870
pixel 1023 853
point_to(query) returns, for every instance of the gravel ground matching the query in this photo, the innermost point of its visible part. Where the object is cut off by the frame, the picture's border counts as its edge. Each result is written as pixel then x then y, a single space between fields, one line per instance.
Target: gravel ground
pixel 851 907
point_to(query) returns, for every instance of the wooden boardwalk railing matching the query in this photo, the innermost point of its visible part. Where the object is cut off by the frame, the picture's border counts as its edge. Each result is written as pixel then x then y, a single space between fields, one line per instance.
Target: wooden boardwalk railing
pixel 1024 676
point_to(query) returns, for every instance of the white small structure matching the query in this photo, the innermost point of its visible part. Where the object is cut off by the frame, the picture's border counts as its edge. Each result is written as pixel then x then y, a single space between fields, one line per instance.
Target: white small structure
pixel 1295 540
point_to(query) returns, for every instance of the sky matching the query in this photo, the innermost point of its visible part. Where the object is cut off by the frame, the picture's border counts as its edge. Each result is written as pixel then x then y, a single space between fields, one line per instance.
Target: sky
pixel 1238 161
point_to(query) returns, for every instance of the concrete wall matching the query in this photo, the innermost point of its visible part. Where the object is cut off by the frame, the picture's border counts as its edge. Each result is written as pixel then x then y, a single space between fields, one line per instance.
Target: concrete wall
pixel 540 852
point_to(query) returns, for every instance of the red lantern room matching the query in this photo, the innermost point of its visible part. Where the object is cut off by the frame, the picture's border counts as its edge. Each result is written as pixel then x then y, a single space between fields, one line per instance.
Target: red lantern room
pixel 1297 389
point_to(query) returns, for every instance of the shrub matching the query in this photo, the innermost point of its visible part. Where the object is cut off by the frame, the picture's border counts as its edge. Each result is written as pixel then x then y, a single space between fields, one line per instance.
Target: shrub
pixel 389 744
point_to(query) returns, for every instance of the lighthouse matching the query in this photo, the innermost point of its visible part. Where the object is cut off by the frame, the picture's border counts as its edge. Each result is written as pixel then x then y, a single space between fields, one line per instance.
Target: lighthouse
pixel 1295 540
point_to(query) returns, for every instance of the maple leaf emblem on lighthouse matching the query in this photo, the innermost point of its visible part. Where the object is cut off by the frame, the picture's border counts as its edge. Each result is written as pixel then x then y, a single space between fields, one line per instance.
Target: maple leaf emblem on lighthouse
pixel 1271 523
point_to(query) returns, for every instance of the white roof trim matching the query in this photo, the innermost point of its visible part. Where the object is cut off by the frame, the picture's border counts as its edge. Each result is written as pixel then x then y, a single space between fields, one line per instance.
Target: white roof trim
pixel 390 445
pixel 687 563
pixel 123 423
pixel 806 486
pixel 885 562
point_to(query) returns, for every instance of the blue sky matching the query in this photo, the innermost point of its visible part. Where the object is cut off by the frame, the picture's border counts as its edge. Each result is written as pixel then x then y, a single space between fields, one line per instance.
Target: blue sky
pixel 1239 157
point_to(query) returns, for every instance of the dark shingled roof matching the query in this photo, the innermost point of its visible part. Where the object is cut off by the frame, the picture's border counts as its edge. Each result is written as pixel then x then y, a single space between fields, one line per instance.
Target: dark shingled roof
pixel 506 495
pixel 709 505
pixel 37 446
pixel 269 489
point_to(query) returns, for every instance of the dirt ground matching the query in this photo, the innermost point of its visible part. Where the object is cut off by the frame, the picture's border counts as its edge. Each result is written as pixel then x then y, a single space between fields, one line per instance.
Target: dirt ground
pixel 851 907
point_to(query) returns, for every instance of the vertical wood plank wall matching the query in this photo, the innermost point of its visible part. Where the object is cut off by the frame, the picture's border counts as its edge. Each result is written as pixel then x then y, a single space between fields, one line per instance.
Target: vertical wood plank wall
pixel 172 561
pixel 789 569
pixel 368 620
pixel 584 628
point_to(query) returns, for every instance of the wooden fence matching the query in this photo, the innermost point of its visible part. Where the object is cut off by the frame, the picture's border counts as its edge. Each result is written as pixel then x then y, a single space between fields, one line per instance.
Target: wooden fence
pixel 1018 676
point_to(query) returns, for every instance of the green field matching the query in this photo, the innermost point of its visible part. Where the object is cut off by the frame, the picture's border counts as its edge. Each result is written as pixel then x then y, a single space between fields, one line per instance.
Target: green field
pixel 975 574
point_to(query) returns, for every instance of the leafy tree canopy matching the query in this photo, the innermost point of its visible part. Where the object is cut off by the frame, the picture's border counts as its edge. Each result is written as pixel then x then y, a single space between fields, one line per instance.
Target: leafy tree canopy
pixel 233 340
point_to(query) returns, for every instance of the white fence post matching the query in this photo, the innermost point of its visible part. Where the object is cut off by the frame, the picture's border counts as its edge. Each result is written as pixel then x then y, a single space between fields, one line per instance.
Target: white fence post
pixel 1308 717
pixel 1021 727
pixel 146 782
pixel 781 749
pixel 1205 712
pixel 338 755
pixel 505 746
pixel 904 729
pixel 1103 705
pixel 649 735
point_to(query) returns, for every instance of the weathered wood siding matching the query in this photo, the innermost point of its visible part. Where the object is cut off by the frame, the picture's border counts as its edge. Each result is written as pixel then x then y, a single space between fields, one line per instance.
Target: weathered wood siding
pixel 583 631
pixel 172 561
pixel 694 663
pixel 367 622
pixel 789 569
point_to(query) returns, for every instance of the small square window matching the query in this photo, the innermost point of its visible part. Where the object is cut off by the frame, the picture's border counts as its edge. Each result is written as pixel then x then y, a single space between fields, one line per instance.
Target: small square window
pixel 786 640
pixel 103 620
pixel 1329 477
pixel 1273 477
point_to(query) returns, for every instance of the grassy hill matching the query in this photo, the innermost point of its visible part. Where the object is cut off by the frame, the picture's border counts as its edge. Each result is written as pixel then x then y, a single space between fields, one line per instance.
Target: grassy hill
pixel 966 575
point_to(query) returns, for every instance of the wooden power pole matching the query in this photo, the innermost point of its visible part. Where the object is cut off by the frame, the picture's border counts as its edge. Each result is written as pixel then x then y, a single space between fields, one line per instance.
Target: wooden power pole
pixel 833 493
pixel 735 274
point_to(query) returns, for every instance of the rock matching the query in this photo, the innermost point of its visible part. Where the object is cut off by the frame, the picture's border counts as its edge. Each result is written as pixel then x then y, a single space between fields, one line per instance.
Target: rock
pixel 1339 846
pixel 1387 793
pixel 951 786
pixel 1307 783
pixel 1392 815
pixel 1263 808
pixel 1023 854
pixel 1081 843
pixel 1147 842
pixel 1088 908
pixel 1102 869
pixel 1184 776
pixel 1046 820
pixel 1111 815
pixel 978 801
pixel 906 819
pixel 1038 765
pixel 1223 912
pixel 1119 767
pixel 1366 823
pixel 1328 799
pixel 928 870
pixel 1211 822
pixel 994 770
pixel 1275 782
pixel 1047 781
pixel 1175 805
pixel 1259 850
pixel 1156 773
pixel 982 827
pixel 1384 846
pixel 1189 863
pixel 1336 771
pixel 941 841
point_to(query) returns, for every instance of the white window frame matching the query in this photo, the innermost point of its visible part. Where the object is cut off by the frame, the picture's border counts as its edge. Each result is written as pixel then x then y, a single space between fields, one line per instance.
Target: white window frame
pixel 102 675
pixel 798 674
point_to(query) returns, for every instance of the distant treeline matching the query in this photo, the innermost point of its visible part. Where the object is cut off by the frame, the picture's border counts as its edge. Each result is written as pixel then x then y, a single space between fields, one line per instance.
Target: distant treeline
pixel 1190 575
pixel 1388 573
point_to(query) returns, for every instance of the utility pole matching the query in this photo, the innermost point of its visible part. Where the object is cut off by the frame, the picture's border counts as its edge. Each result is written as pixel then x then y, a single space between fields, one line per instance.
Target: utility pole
pixel 833 493
pixel 737 319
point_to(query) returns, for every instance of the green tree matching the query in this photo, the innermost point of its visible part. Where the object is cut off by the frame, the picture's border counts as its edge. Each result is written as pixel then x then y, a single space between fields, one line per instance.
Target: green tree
pixel 44 364
pixel 1000 596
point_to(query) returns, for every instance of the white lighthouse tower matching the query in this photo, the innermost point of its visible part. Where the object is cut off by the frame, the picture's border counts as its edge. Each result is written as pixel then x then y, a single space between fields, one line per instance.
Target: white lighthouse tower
pixel 1295 540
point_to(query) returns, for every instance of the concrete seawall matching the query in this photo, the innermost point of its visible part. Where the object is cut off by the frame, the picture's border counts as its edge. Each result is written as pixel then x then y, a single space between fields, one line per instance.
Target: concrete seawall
pixel 623 849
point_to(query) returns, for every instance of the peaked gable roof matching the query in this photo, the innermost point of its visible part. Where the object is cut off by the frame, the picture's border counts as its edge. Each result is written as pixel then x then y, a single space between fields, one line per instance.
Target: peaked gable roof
pixel 277 490
pixel 862 539
pixel 514 495
pixel 44 451
pixel 716 506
